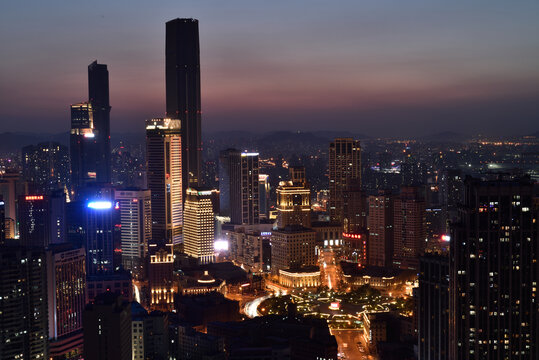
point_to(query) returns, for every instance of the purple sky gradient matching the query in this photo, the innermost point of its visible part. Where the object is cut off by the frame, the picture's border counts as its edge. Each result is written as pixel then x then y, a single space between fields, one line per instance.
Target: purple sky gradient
pixel 383 68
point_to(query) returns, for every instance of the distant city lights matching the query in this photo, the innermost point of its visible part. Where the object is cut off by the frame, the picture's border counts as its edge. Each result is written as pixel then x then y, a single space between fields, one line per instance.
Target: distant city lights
pixel 446 238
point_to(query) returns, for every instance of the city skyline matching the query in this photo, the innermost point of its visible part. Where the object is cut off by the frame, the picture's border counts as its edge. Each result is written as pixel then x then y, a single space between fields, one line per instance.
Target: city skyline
pixel 417 70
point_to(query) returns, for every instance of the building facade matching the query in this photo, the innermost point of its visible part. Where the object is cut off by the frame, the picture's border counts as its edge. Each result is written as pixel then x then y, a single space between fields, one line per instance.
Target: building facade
pixel 107 328
pixel 239 187
pixel 46 166
pixel 164 162
pixel 494 271
pixel 99 221
pixel 66 299
pixel 98 93
pixel 410 228
pixel 380 225
pixel 161 280
pixel 136 227
pixel 199 225
pixel 344 176
pixel 433 305
pixel 23 308
pixel 292 248
pixel 182 73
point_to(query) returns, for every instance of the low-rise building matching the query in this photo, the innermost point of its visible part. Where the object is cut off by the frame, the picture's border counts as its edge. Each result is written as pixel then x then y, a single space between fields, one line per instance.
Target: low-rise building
pixel 304 277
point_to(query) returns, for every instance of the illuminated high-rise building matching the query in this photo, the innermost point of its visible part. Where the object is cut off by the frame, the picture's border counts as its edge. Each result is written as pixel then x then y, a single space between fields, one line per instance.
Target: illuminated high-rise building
pixel 23 304
pixel 410 228
pixel 34 222
pixel 294 200
pixel 82 145
pixel 46 166
pixel 292 247
pixel 99 229
pixel 164 159
pixel 238 186
pixel 66 294
pixel 344 177
pixel 161 280
pixel 42 219
pixel 494 271
pixel 136 227
pixel 264 193
pixel 380 225
pixel 182 56
pixel 10 188
pixel 198 225
pixel 98 93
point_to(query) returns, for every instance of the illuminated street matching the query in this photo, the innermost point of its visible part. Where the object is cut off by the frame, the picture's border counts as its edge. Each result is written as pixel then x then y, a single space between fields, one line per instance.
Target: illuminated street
pixel 348 344
pixel 329 270
pixel 251 307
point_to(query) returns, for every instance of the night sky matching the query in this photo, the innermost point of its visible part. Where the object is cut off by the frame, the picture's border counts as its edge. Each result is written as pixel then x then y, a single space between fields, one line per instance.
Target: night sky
pixel 382 68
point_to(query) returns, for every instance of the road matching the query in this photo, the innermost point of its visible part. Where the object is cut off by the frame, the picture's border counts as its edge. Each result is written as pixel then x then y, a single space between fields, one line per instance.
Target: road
pixel 329 269
pixel 347 341
pixel 251 307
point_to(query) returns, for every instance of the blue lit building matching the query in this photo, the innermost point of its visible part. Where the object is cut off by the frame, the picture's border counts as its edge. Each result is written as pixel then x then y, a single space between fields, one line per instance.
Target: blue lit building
pixel 99 229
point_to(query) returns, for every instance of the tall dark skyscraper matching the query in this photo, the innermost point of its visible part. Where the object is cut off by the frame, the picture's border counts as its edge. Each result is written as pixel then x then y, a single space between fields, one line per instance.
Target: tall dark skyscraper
pixel 494 272
pixel 23 302
pixel 183 92
pixel 433 304
pixel 98 92
pixel 238 186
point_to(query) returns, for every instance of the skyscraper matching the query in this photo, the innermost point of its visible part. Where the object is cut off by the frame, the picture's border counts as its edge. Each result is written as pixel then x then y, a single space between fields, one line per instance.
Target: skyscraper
pixel 107 328
pixel 23 304
pixel 82 145
pixel 344 177
pixel 34 222
pixel 98 91
pixel 494 271
pixel 99 228
pixel 42 219
pixel 160 280
pixel 46 166
pixel 238 186
pixel 136 227
pixel 183 91
pixel 292 247
pixel 66 298
pixel 380 224
pixel 433 305
pixel 410 231
pixel 294 200
pixel 199 225
pixel 264 193
pixel 229 181
pixel 164 159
